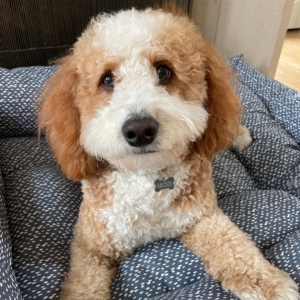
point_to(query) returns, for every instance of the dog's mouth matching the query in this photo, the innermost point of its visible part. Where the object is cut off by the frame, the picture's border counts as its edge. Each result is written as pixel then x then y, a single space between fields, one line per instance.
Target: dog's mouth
pixel 145 152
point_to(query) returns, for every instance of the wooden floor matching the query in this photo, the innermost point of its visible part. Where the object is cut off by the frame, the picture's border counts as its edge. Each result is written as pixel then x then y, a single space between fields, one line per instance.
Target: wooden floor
pixel 288 70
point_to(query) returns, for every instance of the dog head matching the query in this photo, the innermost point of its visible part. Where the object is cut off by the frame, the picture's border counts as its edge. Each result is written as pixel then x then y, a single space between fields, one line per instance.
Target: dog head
pixel 139 90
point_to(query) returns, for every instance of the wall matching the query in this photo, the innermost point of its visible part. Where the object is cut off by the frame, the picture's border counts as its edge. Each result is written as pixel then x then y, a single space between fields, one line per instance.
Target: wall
pixel 295 17
pixel 254 28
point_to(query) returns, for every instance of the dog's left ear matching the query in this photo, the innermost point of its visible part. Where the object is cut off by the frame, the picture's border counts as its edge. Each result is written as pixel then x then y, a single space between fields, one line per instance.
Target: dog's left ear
pixel 224 106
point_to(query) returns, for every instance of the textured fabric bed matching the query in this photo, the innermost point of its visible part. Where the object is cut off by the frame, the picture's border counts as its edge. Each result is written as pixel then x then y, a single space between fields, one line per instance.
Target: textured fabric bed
pixel 259 189
pixel 8 285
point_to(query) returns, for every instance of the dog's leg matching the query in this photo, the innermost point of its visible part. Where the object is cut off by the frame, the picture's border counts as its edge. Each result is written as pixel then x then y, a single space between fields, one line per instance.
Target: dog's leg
pixel 93 258
pixel 243 140
pixel 90 275
pixel 230 256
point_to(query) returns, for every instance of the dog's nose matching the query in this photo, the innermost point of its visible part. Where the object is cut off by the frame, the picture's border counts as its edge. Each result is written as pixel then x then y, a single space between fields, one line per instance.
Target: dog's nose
pixel 139 132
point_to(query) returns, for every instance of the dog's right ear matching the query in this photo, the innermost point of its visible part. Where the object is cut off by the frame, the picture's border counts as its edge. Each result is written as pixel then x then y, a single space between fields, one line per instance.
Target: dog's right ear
pixel 61 120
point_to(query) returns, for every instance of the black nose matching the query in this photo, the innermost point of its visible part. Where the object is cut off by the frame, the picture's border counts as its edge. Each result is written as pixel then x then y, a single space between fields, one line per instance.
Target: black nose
pixel 139 132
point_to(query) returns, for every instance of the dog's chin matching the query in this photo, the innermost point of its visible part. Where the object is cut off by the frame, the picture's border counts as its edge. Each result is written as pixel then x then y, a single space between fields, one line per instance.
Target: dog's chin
pixel 146 161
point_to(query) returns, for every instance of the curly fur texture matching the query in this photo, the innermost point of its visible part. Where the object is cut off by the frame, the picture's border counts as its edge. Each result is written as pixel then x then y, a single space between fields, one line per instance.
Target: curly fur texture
pixel 198 115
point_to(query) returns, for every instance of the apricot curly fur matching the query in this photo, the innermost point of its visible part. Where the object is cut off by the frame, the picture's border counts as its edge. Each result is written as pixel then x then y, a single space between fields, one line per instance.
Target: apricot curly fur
pixel 93 257
pixel 224 106
pixel 199 189
pixel 61 119
pixel 231 257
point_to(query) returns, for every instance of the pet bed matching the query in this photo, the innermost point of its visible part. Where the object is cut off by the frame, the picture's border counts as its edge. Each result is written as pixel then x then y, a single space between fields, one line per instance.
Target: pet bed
pixel 258 188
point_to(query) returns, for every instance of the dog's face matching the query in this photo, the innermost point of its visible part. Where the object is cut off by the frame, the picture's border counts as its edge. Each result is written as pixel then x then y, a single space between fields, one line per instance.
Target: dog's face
pixel 137 92
pixel 147 105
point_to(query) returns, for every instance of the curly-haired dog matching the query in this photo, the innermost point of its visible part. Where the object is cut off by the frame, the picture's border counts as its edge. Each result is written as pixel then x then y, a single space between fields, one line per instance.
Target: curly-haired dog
pixel 143 97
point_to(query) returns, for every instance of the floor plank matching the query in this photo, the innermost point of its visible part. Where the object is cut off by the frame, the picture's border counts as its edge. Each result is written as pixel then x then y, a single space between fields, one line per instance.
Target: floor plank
pixel 288 70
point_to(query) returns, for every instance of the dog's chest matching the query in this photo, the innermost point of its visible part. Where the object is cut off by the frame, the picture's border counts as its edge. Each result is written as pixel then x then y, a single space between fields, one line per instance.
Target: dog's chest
pixel 138 214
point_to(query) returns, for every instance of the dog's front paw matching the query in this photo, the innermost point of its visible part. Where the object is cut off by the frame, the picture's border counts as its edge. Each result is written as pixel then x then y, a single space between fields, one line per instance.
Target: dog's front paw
pixel 272 284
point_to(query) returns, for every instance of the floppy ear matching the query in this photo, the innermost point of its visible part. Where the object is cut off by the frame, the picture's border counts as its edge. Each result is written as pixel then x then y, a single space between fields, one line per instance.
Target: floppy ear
pixel 224 106
pixel 61 119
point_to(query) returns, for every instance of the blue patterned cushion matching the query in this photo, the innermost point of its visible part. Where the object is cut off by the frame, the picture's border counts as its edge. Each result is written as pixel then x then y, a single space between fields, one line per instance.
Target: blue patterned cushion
pixel 42 207
pixel 19 90
pixel 9 288
pixel 282 102
pixel 257 188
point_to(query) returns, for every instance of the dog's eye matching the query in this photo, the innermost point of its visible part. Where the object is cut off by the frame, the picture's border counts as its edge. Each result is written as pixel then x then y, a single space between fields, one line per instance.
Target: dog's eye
pixel 108 81
pixel 164 73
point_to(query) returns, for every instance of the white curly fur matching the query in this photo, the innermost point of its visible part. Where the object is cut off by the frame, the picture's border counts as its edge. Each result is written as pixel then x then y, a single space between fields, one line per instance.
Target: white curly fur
pixel 119 35
pixel 139 215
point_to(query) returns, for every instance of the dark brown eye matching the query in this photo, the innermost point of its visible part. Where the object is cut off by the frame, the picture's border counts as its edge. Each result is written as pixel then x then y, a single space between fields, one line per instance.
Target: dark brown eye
pixel 164 73
pixel 108 81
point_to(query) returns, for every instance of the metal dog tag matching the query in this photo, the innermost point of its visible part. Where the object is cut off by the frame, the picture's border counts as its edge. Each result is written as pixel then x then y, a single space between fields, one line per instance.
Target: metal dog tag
pixel 164 184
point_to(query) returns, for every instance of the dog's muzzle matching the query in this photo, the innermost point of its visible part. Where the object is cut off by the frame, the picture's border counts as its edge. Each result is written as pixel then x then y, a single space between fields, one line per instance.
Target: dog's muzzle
pixel 140 131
